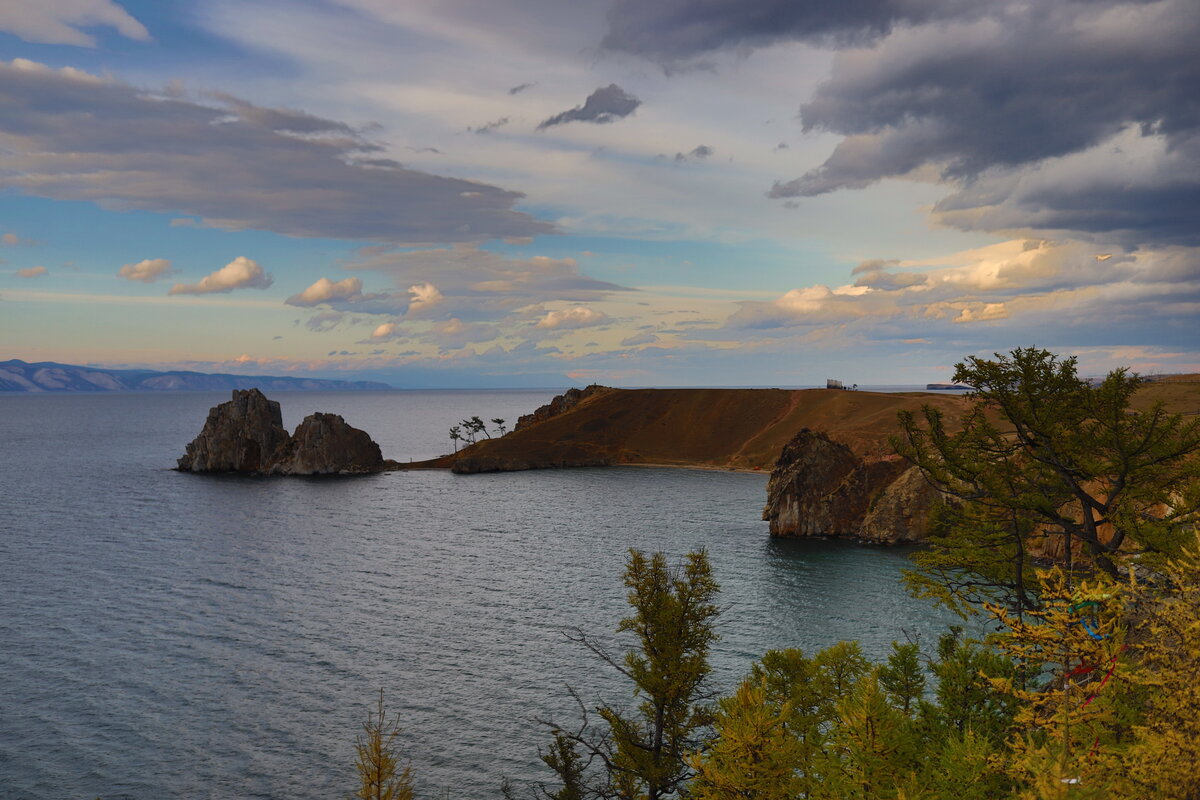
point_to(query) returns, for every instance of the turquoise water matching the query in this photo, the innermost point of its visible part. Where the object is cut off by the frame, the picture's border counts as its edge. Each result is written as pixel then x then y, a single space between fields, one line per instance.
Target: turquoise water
pixel 170 635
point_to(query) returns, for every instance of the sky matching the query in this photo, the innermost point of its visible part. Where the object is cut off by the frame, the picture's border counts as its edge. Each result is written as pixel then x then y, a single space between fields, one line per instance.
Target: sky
pixel 628 192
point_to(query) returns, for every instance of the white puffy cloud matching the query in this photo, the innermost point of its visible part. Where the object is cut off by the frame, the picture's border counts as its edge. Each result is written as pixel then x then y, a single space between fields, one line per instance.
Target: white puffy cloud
pixel 241 273
pixel 424 297
pixel 325 290
pixel 571 318
pixel 147 271
pixel 60 21
pixel 386 332
pixel 32 272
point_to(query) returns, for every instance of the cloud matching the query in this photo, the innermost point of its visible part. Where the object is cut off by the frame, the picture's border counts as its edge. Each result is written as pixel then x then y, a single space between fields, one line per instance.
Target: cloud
pixel 147 271
pixel 701 152
pixel 1058 116
pixel 325 321
pixel 646 337
pixel 606 104
pixel 10 239
pixel 982 312
pixel 61 21
pixel 673 30
pixel 386 332
pixel 32 272
pixel 571 318
pixel 425 296
pixel 475 284
pixel 488 127
pixel 234 164
pixel 521 87
pixel 241 273
pixel 325 290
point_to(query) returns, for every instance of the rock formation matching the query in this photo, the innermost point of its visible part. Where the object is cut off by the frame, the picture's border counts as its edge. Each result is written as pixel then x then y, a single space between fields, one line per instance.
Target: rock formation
pixel 563 402
pixel 241 435
pixel 324 444
pixel 819 487
pixel 246 434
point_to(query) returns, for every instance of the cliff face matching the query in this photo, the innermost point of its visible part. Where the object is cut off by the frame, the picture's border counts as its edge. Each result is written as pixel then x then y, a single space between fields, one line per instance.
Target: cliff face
pixel 246 434
pixel 324 444
pixel 820 487
pixel 239 436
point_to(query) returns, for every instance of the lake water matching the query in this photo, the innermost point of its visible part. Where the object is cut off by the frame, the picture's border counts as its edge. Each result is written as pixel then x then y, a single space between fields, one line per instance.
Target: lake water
pixel 170 635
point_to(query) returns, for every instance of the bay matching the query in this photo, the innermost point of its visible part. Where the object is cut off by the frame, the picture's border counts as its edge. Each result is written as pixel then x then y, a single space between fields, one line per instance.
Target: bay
pixel 172 635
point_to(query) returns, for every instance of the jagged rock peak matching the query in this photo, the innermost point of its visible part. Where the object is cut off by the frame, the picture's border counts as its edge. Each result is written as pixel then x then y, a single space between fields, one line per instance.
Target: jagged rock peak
pixel 246 434
pixel 563 402
pixel 240 435
pixel 324 444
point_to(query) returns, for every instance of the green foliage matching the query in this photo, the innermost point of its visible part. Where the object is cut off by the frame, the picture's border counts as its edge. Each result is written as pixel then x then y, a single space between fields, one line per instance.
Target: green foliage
pixel 1044 450
pixel 379 773
pixel 642 752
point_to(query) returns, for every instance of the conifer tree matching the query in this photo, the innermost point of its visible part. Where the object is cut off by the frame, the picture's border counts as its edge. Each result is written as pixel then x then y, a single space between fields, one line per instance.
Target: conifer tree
pixel 642 751
pixel 1163 760
pixel 380 776
pixel 1043 447
pixel 754 756
pixel 1069 651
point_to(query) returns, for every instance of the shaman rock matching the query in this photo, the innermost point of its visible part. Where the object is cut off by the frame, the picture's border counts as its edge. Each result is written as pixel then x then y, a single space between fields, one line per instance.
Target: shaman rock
pixel 240 435
pixel 324 444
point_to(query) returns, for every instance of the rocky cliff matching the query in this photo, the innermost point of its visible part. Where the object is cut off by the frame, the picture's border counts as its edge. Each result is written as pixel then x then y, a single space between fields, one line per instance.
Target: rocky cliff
pixel 820 487
pixel 246 434
pixel 241 435
pixel 324 444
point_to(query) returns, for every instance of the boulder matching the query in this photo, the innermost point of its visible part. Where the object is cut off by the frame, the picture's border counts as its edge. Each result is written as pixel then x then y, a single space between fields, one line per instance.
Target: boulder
pixel 819 487
pixel 240 435
pixel 324 444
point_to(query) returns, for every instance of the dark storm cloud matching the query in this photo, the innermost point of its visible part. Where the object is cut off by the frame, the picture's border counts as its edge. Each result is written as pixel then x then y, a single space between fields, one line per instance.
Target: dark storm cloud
pixel 670 30
pixel 606 104
pixel 236 165
pixel 1080 90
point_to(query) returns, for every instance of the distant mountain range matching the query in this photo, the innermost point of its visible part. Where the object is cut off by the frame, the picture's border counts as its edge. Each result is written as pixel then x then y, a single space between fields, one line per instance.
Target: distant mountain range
pixel 47 376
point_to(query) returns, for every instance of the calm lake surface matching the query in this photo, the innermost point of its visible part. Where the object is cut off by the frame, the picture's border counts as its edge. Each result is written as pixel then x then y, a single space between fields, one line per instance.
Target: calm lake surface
pixel 165 635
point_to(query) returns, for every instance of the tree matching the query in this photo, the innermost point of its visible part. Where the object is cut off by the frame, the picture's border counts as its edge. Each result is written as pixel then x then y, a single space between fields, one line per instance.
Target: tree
pixel 380 777
pixel 1042 449
pixel 641 752
pixel 754 756
pixel 499 423
pixel 456 435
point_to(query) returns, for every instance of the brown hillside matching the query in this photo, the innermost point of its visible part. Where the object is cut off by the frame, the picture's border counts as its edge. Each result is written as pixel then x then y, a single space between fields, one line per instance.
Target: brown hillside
pixel 716 428
pixel 722 428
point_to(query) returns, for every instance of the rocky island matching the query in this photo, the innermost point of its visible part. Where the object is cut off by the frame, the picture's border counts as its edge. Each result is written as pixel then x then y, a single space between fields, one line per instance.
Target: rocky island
pixel 246 434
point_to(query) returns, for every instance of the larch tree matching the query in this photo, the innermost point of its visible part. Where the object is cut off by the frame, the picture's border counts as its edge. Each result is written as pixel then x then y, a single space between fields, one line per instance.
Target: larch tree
pixel 379 772
pixel 1043 450
pixel 641 752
